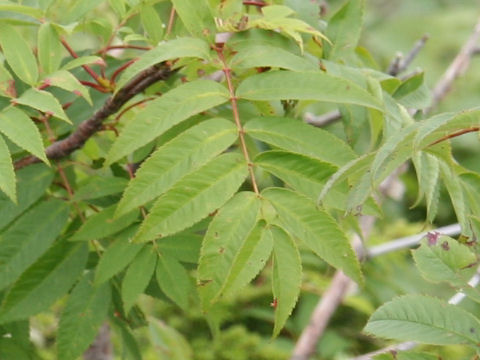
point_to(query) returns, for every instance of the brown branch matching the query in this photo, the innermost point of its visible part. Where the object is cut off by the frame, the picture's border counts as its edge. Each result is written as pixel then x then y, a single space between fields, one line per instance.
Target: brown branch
pixel 87 128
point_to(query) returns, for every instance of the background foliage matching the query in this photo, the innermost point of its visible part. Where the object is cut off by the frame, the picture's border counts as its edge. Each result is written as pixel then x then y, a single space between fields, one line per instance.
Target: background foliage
pixel 77 247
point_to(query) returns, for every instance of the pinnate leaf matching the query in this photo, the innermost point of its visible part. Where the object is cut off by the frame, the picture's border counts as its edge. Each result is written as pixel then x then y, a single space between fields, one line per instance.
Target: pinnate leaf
pixel 426 320
pixel 297 137
pixel 43 101
pixel 316 228
pixel 305 85
pixel 45 281
pixel 18 54
pixel 196 16
pixel 172 49
pixel 287 276
pixel 225 236
pixel 185 153
pixel 161 114
pixel 305 174
pixel 194 197
pixel 174 280
pixel 20 246
pixel 7 174
pixel 103 224
pixel 117 256
pixel 138 276
pixel 249 260
pixel 20 129
pixel 85 310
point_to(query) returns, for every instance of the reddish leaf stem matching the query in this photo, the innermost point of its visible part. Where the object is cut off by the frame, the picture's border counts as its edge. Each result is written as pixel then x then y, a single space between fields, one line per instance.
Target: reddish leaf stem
pixel 121 113
pixel 120 69
pixel 87 68
pixel 255 3
pixel 126 46
pixel 236 115
pixel 171 20
pixel 458 133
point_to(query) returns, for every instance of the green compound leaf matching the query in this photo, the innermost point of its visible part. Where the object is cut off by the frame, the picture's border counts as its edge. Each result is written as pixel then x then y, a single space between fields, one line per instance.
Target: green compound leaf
pixel 297 137
pixel 20 129
pixel 20 247
pixel 32 182
pixel 305 174
pixel 182 155
pixel 316 228
pixel 194 197
pixel 103 224
pixel 225 236
pixel 287 276
pixel 45 281
pixel 426 320
pixel 196 16
pixel 18 54
pixel 174 280
pixel 43 101
pixel 441 258
pixel 256 55
pixel 177 48
pixel 117 256
pixel 344 29
pixel 249 260
pixel 7 173
pixel 85 311
pixel 49 48
pixel 309 85
pixel 66 81
pixel 161 114
pixel 138 276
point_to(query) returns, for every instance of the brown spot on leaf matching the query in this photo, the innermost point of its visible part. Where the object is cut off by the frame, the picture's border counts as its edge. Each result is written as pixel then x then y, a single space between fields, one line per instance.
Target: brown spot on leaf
pixel 445 246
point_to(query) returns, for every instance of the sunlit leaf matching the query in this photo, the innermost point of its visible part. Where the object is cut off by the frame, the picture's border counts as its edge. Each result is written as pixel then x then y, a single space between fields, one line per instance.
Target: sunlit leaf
pixel 49 48
pixel 7 174
pixel 43 101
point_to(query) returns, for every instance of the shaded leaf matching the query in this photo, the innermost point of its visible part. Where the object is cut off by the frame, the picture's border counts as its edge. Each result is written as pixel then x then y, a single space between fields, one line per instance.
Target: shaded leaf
pixel 225 236
pixel 194 197
pixel 295 136
pixel 138 276
pixel 84 312
pixel 307 85
pixel 117 256
pixel 32 182
pixel 316 228
pixel 287 276
pixel 168 110
pixel 426 320
pixel 180 156
pixel 184 247
pixel 7 83
pixel 151 23
pixel 169 344
pixel 20 246
pixel 20 129
pixel 99 186
pixel 103 224
pixel 174 280
pixel 18 54
pixel 45 281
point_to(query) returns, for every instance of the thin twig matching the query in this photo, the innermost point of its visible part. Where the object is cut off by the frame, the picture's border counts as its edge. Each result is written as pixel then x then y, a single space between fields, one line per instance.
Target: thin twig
pixel 171 20
pixel 458 66
pixel 322 120
pixel 87 128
